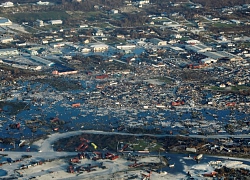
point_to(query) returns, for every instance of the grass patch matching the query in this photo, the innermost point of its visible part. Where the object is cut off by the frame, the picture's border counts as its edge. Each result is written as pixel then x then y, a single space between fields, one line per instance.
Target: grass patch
pixel 61 84
pixel 241 87
pixel 51 27
pixel 94 15
pixel 116 16
pixel 140 145
pixel 161 20
pixel 184 38
pixel 114 41
pixel 245 44
pixel 30 29
pixel 103 25
pixel 164 79
pixel 215 88
pixel 33 16
pixel 223 25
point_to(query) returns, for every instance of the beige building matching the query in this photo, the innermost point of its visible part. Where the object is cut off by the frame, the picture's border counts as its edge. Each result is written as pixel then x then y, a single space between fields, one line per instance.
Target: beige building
pixel 5 40
pixel 114 11
pixel 158 42
pixel 55 22
pixel 39 23
pixel 86 41
pixel 99 47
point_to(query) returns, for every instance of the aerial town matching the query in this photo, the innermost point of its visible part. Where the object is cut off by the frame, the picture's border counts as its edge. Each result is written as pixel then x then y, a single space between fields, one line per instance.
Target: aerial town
pixel 125 89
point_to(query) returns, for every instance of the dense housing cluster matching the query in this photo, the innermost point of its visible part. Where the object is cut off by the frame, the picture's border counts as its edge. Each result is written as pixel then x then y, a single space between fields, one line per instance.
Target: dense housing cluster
pixel 147 67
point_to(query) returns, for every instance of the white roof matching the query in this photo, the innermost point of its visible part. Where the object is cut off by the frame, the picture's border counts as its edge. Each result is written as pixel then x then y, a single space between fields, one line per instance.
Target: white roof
pixel 98 45
pixel 176 48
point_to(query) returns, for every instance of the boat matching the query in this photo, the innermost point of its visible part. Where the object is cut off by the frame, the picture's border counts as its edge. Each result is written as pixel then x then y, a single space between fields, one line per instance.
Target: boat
pixel 171 165
pixel 163 172
pixel 22 143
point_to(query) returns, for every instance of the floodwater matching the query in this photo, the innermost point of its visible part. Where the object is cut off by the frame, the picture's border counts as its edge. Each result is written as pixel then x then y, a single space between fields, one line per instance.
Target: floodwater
pixel 88 117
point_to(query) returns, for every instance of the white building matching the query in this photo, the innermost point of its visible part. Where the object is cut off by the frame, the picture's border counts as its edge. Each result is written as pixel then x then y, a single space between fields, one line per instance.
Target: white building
pixel 20 44
pixel 55 22
pixel 114 11
pixel 6 40
pixel 42 3
pixel 83 26
pixel 99 47
pixel 85 50
pixel 39 23
pixel 165 23
pixel 57 44
pixel 143 2
pixel 193 42
pixel 221 55
pixel 222 38
pixel 44 41
pixel 99 33
pixel 120 36
pixel 198 48
pixel 7 4
pixel 208 61
pixel 177 36
pixel 158 42
pixel 235 21
pixel 127 46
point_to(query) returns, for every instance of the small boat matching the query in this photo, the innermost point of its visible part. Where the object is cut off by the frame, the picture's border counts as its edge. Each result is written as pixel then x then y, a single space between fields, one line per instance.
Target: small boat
pixel 163 172
pixel 171 165
pixel 22 143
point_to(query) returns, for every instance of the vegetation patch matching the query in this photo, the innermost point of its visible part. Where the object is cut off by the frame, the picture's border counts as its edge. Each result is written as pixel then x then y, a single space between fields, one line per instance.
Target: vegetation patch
pixel 216 88
pixel 33 16
pixel 110 143
pixel 61 84
pixel 13 108
pixel 153 144
pixel 165 80
pixel 93 15
pixel 223 25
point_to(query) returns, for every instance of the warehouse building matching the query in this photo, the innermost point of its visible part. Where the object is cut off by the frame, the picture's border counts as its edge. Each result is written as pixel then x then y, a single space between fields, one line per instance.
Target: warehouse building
pixel 126 46
pixel 218 55
pixel 41 60
pixel 208 52
pixel 55 22
pixel 7 4
pixel 5 22
pixel 99 47
pixel 198 48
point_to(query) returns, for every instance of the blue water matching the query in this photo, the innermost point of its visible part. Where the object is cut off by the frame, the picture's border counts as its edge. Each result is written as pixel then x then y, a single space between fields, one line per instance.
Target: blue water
pixel 89 120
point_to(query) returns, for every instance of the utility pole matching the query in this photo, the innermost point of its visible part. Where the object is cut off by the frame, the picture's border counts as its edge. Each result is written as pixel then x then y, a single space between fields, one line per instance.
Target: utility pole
pixel 117 146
